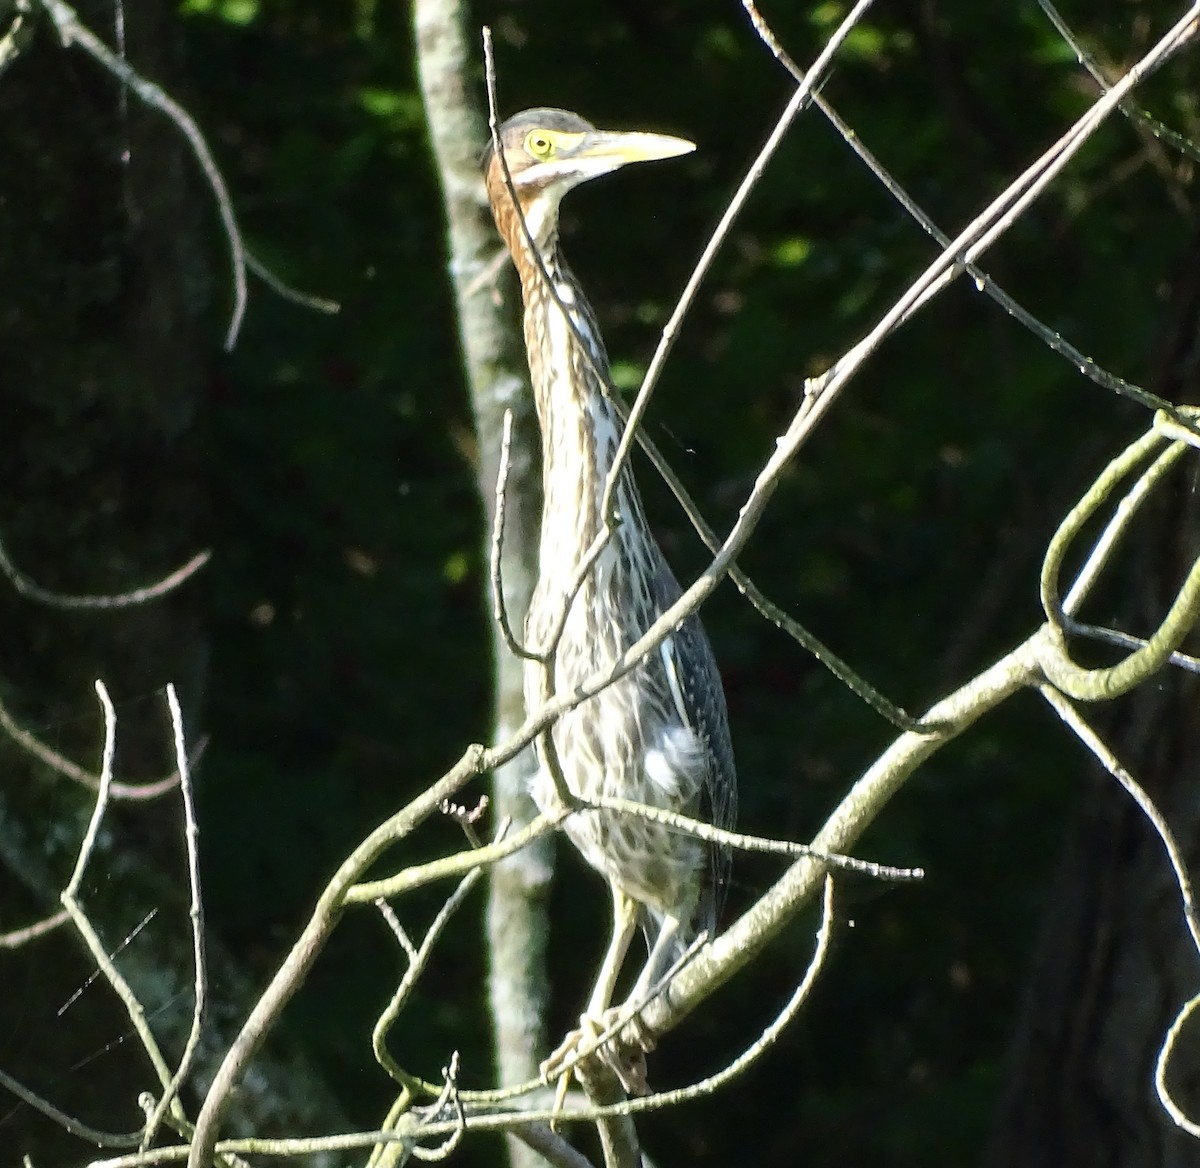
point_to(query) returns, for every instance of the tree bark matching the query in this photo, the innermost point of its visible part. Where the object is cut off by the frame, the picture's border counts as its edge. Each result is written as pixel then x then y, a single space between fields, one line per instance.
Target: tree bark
pixel 485 294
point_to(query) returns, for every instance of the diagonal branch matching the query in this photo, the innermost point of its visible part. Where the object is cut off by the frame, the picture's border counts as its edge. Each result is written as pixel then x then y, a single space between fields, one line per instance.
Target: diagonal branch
pixel 71 31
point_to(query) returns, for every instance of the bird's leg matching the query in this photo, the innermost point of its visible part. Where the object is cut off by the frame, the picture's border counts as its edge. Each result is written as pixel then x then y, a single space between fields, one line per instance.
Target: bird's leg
pixel 657 964
pixel 624 924
pixel 592 1022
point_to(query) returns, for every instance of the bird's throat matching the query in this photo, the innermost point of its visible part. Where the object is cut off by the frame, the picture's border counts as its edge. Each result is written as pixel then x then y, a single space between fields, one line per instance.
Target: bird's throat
pixel 581 430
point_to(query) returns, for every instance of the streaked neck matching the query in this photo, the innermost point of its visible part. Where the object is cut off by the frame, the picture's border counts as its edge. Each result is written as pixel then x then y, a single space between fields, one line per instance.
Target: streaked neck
pixel 580 428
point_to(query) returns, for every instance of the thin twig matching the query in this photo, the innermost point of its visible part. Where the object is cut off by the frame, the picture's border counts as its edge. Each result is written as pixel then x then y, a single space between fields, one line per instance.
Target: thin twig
pixel 1178 1116
pixel 28 587
pixel 18 35
pixel 798 102
pixel 417 961
pixel 487 274
pixel 467 818
pixel 69 1123
pixel 455 864
pixel 1075 721
pixel 1112 681
pixel 744 842
pixel 196 916
pixel 1066 710
pixel 495 575
pixel 1128 641
pixel 1132 111
pixel 777 616
pixel 983 282
pixel 33 745
pixel 398 930
pixel 93 828
pixel 15 938
pixel 286 292
pixel 72 31
pixel 70 901
pixel 449 1097
pixel 986 228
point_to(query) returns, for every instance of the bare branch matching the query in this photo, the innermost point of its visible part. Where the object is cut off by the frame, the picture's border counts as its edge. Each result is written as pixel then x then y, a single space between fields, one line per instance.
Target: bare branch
pixel 15 938
pixel 1181 617
pixel 1066 710
pixel 448 1097
pixel 70 900
pixel 29 742
pixel 286 292
pixel 496 549
pixel 196 915
pixel 454 864
pixel 798 102
pixel 72 31
pixel 468 817
pixel 26 586
pixel 1129 108
pixel 983 282
pixel 747 843
pixel 1074 720
pixel 311 941
pixel 417 961
pixel 101 1139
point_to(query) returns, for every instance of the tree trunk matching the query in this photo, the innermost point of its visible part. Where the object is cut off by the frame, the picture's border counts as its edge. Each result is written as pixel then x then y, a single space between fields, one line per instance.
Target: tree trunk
pixel 485 293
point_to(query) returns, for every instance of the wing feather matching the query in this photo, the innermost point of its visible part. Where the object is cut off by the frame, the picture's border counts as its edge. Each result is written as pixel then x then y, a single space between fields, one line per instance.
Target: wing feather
pixel 699 698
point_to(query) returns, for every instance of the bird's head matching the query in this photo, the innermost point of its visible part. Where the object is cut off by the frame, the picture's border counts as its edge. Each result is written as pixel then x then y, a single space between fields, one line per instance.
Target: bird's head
pixel 549 151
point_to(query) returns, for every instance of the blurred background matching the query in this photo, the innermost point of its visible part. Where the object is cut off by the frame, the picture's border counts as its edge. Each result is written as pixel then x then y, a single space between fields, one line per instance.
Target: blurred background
pixel 335 653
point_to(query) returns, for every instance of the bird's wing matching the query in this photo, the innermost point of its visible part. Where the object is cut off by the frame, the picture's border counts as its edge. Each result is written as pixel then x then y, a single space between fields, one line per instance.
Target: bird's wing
pixel 700 702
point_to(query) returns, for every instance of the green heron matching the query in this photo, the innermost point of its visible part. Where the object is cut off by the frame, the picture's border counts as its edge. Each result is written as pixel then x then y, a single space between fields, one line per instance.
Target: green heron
pixel 660 734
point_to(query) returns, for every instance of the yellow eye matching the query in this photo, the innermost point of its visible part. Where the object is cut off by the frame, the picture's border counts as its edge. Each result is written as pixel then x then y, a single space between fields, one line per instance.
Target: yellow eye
pixel 538 143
